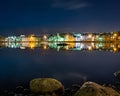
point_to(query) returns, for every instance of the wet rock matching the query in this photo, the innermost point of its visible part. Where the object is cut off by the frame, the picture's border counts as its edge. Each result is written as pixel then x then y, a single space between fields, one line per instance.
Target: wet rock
pixel 26 92
pixel 117 74
pixel 48 86
pixel 11 93
pixel 19 91
pixel 67 92
pixel 94 89
pixel 5 93
pixel 75 88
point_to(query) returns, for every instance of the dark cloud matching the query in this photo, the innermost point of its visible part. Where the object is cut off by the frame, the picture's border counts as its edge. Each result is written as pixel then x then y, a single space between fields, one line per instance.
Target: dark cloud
pixel 70 4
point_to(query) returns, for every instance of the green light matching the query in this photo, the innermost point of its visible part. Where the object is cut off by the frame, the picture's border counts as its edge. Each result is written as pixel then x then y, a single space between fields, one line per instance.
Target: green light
pixel 56 38
pixel 101 38
pixel 101 45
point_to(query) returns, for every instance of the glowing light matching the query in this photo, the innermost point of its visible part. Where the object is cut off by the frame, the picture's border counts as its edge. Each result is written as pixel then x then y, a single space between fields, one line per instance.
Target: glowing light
pixel 69 37
pixel 100 38
pixel 32 45
pixel 67 48
pixel 115 34
pixel 89 48
pixel 44 47
pixel 32 38
pixel 22 47
pixel 115 49
pixel 45 37
pixel 103 41
pixel 93 38
pixel 72 45
pixel 79 46
pixel 89 35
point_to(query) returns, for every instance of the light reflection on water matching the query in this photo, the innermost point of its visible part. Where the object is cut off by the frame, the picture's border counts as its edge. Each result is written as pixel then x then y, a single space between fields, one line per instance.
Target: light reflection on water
pixel 20 66
pixel 90 46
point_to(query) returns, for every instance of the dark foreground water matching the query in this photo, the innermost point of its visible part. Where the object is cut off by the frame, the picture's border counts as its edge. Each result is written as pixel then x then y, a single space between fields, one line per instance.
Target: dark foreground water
pixel 18 67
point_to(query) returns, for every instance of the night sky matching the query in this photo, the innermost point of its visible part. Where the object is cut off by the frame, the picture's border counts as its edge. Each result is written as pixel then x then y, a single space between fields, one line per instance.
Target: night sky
pixel 51 16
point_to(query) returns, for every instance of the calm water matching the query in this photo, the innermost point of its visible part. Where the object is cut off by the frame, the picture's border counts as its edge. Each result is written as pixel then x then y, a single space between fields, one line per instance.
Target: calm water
pixel 18 67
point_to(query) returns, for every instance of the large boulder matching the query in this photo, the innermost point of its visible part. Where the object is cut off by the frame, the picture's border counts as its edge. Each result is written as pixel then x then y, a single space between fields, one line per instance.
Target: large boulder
pixel 46 86
pixel 94 89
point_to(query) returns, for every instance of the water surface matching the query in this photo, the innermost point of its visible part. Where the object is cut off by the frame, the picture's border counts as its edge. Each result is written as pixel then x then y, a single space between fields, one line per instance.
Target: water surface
pixel 19 66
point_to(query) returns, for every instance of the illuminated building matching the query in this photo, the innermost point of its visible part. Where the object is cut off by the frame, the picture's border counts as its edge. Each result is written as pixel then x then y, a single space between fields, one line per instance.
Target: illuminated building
pixel 66 41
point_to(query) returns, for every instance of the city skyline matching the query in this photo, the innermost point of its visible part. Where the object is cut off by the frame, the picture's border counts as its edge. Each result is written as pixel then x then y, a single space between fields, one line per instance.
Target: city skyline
pixel 108 41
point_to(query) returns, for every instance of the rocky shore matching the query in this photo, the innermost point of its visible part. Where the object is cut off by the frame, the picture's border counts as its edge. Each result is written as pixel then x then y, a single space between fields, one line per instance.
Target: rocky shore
pixel 53 87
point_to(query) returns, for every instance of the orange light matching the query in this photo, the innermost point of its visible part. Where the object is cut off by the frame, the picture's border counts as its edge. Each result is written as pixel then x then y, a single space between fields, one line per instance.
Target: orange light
pixel 71 45
pixel 45 37
pixel 115 49
pixel 32 45
pixel 44 47
pixel 115 34
pixel 89 35
pixel 32 38
pixel 89 48
pixel 69 37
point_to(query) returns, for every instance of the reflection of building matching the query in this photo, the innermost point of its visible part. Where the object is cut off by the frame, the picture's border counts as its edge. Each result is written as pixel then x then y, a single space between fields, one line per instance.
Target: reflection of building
pixel 2 45
pixel 111 46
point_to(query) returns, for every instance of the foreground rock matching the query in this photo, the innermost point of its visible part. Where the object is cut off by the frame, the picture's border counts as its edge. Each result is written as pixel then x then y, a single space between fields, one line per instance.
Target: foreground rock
pixel 117 74
pixel 46 86
pixel 94 89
